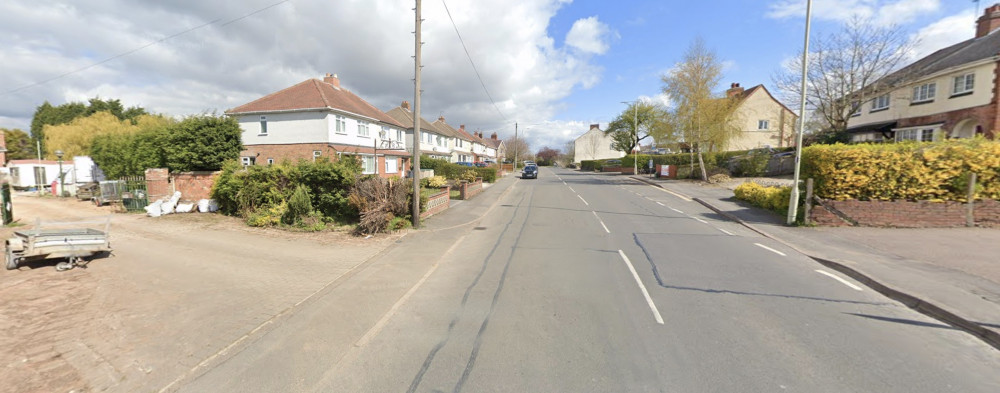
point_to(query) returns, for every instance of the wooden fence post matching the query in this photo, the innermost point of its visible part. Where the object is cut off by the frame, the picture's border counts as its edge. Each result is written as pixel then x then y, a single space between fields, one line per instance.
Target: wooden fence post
pixel 970 202
pixel 809 201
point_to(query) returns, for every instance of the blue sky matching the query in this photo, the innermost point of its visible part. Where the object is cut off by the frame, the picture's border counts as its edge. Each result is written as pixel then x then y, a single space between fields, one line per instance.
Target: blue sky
pixel 553 66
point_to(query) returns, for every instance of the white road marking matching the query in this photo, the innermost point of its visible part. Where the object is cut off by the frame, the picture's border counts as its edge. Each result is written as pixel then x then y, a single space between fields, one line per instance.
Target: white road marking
pixel 700 220
pixel 571 189
pixel 602 222
pixel 660 203
pixel 677 210
pixel 564 183
pixel 681 196
pixel 649 300
pixel 584 200
pixel 770 249
pixel 725 231
pixel 843 281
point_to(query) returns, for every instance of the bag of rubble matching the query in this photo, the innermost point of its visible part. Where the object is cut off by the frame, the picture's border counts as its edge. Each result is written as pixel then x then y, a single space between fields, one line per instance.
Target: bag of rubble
pixel 154 209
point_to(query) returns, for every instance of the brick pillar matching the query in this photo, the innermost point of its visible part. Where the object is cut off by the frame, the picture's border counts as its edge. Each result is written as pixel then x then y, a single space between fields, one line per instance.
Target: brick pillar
pixel 157 183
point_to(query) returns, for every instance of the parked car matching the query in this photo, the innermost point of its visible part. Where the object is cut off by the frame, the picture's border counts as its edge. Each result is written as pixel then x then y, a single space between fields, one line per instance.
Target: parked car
pixel 480 164
pixel 529 172
pixel 464 163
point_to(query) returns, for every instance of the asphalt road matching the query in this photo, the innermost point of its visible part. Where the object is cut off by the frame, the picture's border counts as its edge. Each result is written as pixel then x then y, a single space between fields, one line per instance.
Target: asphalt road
pixel 581 282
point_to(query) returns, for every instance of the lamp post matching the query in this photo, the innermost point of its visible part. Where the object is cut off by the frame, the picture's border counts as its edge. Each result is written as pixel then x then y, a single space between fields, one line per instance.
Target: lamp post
pixel 59 155
pixel 793 203
pixel 635 119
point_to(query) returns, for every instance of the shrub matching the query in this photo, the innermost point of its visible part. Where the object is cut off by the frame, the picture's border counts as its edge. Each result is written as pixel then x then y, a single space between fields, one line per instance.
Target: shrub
pixel 489 175
pixel 436 181
pixel 469 176
pixel 299 205
pixel 771 198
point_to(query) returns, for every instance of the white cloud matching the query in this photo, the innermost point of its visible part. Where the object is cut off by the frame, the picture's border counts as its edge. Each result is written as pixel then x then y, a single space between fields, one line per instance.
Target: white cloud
pixel 588 35
pixel 943 33
pixel 884 12
pixel 367 42
pixel 662 99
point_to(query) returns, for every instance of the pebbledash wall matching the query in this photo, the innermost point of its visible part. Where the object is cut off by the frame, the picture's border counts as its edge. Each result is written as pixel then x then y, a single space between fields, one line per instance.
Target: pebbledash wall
pixel 160 183
pixel 904 214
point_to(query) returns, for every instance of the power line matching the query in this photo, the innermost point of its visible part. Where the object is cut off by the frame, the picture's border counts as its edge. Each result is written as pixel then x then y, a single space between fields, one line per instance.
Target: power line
pixel 131 51
pixel 472 62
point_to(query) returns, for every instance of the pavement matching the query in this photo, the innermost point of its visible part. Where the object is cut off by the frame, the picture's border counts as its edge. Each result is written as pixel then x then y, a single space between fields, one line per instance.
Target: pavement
pixel 950 274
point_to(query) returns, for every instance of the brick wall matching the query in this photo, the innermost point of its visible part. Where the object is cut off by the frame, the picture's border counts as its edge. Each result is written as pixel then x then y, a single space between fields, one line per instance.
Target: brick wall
pixel 158 183
pixel 437 203
pixel 469 190
pixel 906 214
pixel 193 185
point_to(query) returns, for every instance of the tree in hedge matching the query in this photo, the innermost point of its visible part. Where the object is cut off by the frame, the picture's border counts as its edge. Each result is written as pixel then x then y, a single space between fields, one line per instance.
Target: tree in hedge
pixel 19 144
pixel 75 138
pixel 546 155
pixel 202 143
pixel 131 153
pixel 47 114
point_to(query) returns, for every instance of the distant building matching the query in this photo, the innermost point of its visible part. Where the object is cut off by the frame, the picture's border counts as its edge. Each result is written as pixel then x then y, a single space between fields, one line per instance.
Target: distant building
pixel 951 93
pixel 764 121
pixel 595 145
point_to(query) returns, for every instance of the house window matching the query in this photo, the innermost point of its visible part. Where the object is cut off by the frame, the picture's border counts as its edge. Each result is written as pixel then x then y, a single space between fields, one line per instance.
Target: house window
pixel 855 108
pixel 247 161
pixel 263 125
pixel 270 161
pixel 915 134
pixel 924 92
pixel 881 102
pixel 384 134
pixel 368 165
pixel 440 141
pixel 399 135
pixel 391 165
pixel 763 124
pixel 963 84
pixel 341 125
pixel 362 128
pixel 317 154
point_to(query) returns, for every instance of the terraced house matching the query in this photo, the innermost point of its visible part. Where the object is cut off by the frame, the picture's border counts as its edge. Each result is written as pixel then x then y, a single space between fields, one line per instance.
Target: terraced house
pixel 951 93
pixel 319 118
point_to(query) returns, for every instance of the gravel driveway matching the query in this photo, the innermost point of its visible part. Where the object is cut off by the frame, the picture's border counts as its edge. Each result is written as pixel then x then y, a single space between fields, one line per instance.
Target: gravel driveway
pixel 177 292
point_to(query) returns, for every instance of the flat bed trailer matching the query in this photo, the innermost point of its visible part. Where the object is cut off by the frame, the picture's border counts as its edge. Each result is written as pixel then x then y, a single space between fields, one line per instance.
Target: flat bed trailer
pixel 77 241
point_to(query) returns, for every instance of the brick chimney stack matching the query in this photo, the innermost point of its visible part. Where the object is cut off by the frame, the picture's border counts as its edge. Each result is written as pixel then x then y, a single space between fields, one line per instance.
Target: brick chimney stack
pixel 461 127
pixel 989 21
pixel 734 90
pixel 494 136
pixel 595 126
pixel 405 105
pixel 332 79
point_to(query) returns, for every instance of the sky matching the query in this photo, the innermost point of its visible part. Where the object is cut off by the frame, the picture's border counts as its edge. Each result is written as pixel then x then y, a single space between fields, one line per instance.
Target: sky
pixel 552 67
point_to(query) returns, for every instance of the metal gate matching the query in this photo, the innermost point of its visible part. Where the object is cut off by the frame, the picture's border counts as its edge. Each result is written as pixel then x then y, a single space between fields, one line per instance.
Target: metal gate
pixel 134 195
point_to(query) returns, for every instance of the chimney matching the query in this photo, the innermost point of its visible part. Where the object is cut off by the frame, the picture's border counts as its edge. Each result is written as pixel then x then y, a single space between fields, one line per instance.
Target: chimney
pixel 494 136
pixel 595 126
pixel 441 118
pixel 332 79
pixel 461 127
pixel 989 21
pixel 734 90
pixel 405 105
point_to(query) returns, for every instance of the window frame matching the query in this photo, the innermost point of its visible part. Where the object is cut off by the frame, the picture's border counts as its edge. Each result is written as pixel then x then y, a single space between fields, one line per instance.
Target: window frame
pixel 924 93
pixel 878 104
pixel 969 82
pixel 263 126
pixel 763 125
pixel 364 165
pixel 363 125
pixel 340 126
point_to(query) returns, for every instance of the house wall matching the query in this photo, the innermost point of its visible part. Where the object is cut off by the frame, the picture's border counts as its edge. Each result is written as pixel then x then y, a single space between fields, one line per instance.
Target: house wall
pixel 760 106
pixel 980 106
pixel 285 128
pixel 350 136
pixel 26 173
pixel 594 145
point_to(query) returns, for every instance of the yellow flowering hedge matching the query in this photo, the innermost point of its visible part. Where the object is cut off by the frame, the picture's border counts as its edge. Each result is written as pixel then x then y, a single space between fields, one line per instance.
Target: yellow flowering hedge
pixel 770 198
pixel 936 171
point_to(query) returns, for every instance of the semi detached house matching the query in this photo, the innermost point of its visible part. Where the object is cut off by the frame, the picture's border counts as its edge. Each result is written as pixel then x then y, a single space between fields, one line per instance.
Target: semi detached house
pixel 319 118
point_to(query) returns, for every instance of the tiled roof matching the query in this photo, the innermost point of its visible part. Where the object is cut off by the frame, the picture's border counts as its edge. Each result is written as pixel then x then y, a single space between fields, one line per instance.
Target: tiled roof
pixel 405 116
pixel 447 129
pixel 314 94
pixel 751 90
pixel 964 52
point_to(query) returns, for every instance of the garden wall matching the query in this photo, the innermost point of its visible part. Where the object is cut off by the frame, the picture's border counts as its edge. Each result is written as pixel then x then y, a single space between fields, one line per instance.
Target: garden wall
pixel 904 214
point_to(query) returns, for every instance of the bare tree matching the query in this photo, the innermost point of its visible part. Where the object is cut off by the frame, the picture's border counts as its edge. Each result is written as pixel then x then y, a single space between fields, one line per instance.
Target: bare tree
pixel 520 146
pixel 704 120
pixel 846 68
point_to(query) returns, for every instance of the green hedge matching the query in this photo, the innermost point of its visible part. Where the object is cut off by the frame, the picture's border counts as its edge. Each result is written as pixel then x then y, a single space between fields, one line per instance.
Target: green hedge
pixel 936 171
pixel 453 171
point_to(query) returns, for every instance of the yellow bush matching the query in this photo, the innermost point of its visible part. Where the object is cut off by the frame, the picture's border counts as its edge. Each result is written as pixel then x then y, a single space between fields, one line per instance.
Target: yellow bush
pixel 437 181
pixel 904 171
pixel 770 198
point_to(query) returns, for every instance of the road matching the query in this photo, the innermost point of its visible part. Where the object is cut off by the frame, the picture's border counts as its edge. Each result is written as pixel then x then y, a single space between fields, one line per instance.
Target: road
pixel 581 282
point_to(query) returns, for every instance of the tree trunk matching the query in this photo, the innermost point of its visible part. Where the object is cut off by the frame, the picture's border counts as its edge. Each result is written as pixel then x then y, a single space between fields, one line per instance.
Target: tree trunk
pixel 691 156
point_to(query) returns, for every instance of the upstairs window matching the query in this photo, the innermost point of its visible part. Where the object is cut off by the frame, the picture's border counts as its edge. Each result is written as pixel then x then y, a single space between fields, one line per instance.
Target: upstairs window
pixel 881 102
pixel 384 134
pixel 924 92
pixel 855 108
pixel 341 125
pixel 399 135
pixel 362 128
pixel 963 84
pixel 263 125
pixel 763 124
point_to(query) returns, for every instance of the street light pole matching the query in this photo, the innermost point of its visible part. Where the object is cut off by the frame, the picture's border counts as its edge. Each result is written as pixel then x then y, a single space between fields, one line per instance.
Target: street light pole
pixel 793 203
pixel 59 155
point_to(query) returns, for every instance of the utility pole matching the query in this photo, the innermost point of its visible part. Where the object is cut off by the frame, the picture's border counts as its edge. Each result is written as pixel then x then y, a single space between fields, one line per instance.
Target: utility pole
pixel 793 203
pixel 416 117
pixel 635 159
pixel 515 146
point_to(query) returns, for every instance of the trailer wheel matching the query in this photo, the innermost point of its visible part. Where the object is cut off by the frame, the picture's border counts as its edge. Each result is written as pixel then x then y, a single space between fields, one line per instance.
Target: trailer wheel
pixel 64 266
pixel 11 260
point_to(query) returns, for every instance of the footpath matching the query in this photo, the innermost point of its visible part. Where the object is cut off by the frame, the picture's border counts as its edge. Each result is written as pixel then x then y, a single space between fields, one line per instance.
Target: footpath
pixel 951 274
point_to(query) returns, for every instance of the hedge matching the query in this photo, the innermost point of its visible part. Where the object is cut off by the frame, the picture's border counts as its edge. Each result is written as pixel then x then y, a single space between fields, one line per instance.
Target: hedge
pixel 937 171
pixel 771 198
pixel 453 171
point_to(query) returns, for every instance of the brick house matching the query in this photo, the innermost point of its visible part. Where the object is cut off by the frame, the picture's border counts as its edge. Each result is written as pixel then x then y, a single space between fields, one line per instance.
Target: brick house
pixel 595 145
pixel 319 118
pixel 434 142
pixel 951 93
pixel 764 121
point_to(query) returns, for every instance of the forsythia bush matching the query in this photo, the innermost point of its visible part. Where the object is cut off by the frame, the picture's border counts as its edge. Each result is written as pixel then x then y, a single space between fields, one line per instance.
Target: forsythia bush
pixel 770 198
pixel 904 171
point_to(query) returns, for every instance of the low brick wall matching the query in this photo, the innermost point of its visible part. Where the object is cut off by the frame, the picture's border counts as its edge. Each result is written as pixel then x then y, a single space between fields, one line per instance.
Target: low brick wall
pixel 904 214
pixel 158 184
pixel 194 185
pixel 612 169
pixel 437 203
pixel 469 190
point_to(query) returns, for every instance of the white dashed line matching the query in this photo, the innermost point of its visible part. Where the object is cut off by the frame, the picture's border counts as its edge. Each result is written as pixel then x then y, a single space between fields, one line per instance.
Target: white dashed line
pixel 700 220
pixel 725 231
pixel 584 200
pixel 649 300
pixel 677 210
pixel 843 281
pixel 571 189
pixel 661 204
pixel 770 249
pixel 602 222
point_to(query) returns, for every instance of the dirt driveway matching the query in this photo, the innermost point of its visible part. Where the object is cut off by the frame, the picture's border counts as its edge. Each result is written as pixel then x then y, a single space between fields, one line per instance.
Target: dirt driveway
pixel 178 291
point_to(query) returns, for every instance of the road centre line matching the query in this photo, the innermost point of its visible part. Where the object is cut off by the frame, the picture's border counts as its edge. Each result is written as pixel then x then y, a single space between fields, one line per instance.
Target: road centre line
pixel 649 300
pixel 661 204
pixel 571 189
pixel 700 220
pixel 601 221
pixel 843 281
pixel 584 200
pixel 726 232
pixel 677 210
pixel 770 249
